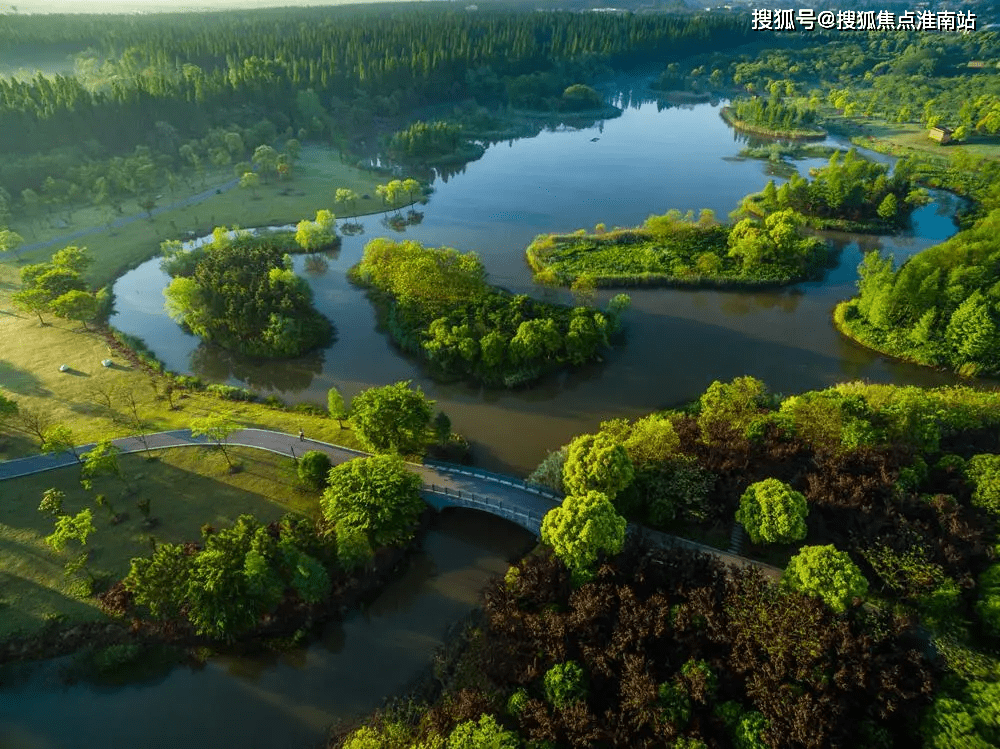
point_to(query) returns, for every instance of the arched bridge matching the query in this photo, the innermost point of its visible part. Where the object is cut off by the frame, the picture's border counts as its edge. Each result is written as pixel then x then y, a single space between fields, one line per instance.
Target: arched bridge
pixel 444 484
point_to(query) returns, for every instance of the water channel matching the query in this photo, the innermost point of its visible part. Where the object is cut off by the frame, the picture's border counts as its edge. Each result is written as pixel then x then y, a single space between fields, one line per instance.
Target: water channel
pixel 277 701
pixel 617 172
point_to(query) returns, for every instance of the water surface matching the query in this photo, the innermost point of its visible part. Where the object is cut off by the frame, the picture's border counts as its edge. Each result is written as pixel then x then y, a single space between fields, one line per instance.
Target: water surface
pixel 617 172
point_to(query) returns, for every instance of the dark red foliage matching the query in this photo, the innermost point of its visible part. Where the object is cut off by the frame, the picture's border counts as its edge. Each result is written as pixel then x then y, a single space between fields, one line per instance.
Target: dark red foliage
pixel 814 675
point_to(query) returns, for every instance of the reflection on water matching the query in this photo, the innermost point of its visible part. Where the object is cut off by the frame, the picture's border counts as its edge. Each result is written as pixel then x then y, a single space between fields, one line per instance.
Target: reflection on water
pixel 648 160
pixel 276 700
pixel 217 364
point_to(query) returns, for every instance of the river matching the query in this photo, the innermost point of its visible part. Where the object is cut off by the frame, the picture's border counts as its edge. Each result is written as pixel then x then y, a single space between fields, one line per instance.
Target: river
pixel 282 700
pixel 617 172
pixel 647 161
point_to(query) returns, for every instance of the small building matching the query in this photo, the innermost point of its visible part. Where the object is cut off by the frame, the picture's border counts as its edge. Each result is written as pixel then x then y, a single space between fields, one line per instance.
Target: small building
pixel 940 134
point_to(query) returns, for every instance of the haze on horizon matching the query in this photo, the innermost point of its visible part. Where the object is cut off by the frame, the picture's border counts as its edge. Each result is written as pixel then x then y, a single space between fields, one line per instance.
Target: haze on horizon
pixel 156 6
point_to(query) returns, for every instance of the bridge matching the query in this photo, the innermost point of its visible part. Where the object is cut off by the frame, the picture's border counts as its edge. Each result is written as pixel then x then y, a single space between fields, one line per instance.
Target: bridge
pixel 443 484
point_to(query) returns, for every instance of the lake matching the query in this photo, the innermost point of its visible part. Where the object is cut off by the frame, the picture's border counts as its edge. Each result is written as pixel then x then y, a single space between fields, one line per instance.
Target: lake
pixel 617 172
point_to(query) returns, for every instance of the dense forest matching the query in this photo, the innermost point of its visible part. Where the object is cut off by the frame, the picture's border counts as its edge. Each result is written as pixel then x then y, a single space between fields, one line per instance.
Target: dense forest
pixel 666 649
pixel 241 293
pixel 942 307
pixel 655 648
pixel 437 303
pixel 676 249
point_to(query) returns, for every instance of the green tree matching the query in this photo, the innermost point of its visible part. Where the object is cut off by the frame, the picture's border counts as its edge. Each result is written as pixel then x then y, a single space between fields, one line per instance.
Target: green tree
pixel 313 469
pixel 266 158
pixel 60 439
pixel 827 573
pixel 597 462
pixel 728 407
pixel 983 472
pixel 988 605
pixel 376 496
pixel 972 334
pixel 565 683
pixel 218 429
pixel 772 512
pixel 652 440
pixel 580 529
pixel 318 234
pixel 160 582
pixel 75 305
pixel 71 528
pixel 485 733
pixel 52 503
pixel 33 301
pixel 10 240
pixel 347 197
pixel 102 460
pixel 392 418
pixel 888 209
pixel 335 406
pixel 250 181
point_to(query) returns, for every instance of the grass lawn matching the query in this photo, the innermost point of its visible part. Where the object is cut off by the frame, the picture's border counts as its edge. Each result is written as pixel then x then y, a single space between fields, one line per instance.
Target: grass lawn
pixel 901 139
pixel 316 177
pixel 187 487
pixel 30 356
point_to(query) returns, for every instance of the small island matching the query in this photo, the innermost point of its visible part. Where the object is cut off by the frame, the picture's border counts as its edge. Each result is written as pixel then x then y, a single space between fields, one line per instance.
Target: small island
pixel 772 118
pixel 240 292
pixel 436 303
pixel 677 250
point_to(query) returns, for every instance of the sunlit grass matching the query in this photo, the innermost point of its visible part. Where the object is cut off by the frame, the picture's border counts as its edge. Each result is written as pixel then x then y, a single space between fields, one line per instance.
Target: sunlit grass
pixel 316 177
pixel 186 487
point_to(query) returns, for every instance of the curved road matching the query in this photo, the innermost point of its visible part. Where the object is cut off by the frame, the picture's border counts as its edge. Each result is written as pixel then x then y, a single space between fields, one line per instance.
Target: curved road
pixel 443 484
pixel 126 220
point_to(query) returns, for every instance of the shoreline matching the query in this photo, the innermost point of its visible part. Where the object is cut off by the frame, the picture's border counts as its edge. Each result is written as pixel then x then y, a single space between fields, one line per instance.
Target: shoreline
pixel 726 114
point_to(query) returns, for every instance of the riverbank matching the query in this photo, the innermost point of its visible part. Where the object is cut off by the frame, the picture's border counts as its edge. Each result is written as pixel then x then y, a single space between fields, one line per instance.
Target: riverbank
pixel 727 115
pixel 293 624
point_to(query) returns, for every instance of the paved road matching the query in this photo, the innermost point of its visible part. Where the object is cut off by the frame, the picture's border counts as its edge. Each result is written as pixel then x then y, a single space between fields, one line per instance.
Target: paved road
pixel 126 220
pixel 443 484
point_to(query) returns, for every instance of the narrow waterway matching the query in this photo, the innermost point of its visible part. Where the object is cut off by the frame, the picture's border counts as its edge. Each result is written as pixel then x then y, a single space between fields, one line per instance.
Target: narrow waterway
pixel 282 700
pixel 617 172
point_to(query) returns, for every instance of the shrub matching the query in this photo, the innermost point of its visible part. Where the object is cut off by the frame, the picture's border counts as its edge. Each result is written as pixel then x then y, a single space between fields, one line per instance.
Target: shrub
pixel 827 573
pixel 230 393
pixel 565 684
pixel 984 472
pixel 772 512
pixel 313 469
pixel 988 606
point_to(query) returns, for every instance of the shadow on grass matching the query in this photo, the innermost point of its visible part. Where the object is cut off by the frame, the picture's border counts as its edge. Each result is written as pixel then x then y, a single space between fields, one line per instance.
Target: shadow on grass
pixel 21 381
pixel 74 372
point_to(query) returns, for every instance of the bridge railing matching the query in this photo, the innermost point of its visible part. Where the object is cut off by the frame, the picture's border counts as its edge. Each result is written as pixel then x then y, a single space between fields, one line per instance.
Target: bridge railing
pixel 496 477
pixel 508 509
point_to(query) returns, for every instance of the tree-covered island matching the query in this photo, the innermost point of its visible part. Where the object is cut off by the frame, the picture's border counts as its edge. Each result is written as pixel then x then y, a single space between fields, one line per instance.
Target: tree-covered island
pixel 241 293
pixel 767 245
pixel 677 249
pixel 436 303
